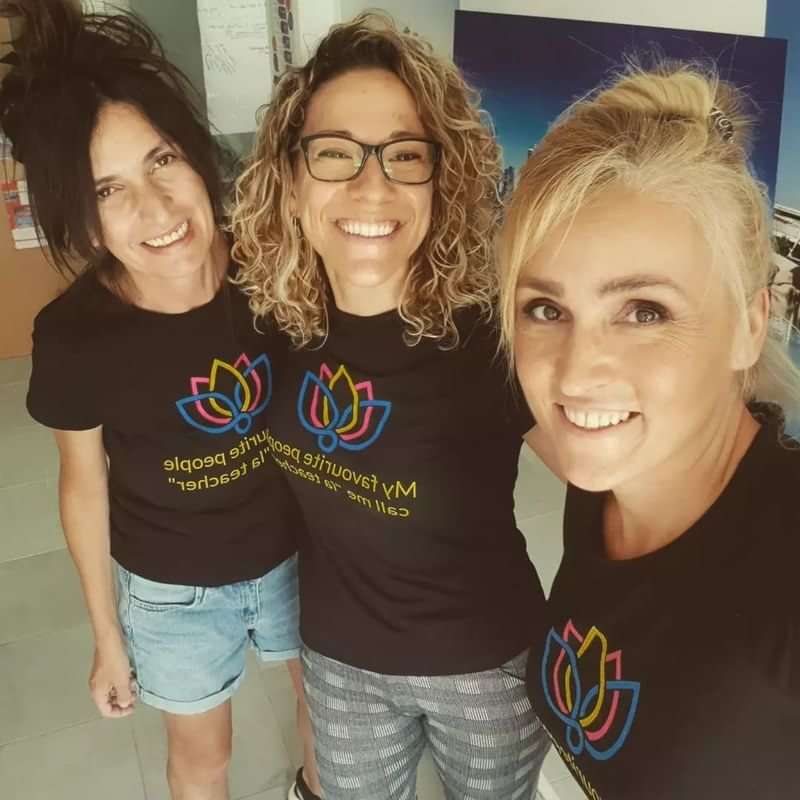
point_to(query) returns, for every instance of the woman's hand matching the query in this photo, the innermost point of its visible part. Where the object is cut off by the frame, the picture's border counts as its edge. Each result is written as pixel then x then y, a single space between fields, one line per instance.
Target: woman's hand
pixel 111 683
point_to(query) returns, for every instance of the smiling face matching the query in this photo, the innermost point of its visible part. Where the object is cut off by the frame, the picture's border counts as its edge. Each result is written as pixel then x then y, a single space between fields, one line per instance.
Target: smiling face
pixel 367 229
pixel 155 215
pixel 626 343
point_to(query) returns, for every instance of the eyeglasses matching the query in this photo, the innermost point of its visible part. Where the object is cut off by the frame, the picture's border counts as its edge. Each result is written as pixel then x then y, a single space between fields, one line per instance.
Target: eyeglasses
pixel 339 158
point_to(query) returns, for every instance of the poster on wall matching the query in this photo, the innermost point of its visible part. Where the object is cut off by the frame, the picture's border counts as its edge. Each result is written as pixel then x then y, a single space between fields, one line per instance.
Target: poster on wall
pixel 783 19
pixel 529 69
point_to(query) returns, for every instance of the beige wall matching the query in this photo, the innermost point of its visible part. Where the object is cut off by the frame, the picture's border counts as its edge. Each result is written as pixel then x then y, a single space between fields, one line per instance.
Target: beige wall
pixel 27 281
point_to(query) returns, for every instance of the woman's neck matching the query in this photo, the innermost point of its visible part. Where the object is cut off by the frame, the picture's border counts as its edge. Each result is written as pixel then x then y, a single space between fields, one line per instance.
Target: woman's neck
pixel 179 294
pixel 649 513
pixel 368 301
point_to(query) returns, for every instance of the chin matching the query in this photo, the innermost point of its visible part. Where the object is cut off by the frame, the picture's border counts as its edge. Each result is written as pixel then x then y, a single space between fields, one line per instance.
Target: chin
pixel 595 483
pixel 599 478
pixel 370 277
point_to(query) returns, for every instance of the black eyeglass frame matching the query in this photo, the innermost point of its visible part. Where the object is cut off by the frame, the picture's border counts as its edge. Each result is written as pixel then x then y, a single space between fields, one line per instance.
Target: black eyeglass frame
pixel 367 150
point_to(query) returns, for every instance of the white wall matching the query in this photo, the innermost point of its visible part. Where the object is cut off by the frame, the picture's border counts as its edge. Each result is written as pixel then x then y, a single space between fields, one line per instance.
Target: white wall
pixel 723 16
pixel 432 19
pixel 314 18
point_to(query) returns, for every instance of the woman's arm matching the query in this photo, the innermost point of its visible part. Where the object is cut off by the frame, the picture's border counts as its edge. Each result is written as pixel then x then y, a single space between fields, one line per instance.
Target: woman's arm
pixel 83 497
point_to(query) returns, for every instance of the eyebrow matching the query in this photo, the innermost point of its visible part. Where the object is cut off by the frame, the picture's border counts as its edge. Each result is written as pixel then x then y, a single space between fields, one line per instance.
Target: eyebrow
pixel 631 283
pixel 392 135
pixel 151 154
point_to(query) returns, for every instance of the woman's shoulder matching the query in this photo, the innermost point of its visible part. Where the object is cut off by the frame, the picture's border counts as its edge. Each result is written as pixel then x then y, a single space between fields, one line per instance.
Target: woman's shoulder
pixel 478 328
pixel 775 472
pixel 74 309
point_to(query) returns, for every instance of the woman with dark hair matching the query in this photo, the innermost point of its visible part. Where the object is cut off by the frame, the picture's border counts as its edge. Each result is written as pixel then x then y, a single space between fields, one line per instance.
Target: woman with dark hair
pixel 363 225
pixel 150 372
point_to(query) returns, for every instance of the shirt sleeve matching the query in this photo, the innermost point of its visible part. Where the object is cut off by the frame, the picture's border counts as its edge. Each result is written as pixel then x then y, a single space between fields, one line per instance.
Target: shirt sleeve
pixel 61 393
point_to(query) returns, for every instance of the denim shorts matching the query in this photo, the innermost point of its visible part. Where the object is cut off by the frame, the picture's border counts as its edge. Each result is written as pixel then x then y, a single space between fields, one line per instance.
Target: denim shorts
pixel 187 644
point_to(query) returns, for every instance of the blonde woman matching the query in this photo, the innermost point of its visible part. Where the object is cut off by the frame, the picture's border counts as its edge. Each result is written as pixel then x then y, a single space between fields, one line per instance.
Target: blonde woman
pixel 635 261
pixel 363 228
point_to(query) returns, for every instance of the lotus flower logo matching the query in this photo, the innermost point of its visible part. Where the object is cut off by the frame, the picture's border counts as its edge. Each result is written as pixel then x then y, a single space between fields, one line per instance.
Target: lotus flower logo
pixel 341 413
pixel 583 686
pixel 230 396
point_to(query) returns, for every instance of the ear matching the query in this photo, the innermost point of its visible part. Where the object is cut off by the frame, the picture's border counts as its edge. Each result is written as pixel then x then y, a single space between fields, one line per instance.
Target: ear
pixel 749 339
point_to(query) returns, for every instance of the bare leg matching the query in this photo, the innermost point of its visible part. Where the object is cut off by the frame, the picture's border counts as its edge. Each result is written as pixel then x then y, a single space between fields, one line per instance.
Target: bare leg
pixel 310 773
pixel 199 748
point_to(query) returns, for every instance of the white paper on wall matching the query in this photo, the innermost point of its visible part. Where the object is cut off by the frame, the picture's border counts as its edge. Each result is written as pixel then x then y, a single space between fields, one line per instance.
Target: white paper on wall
pixel 237 71
pixel 105 6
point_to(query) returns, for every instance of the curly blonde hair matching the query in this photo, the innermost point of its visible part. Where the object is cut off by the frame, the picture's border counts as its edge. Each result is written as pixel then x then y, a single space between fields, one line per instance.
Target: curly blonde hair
pixel 676 132
pixel 452 268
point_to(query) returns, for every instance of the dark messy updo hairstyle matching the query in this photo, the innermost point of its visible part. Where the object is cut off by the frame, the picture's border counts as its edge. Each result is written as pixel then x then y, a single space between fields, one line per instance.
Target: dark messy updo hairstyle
pixel 66 66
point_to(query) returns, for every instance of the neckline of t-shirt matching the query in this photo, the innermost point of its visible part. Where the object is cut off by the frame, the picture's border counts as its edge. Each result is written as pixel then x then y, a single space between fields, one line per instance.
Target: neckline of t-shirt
pixel 167 315
pixel 349 321
pixel 345 322
pixel 699 536
pixel 388 320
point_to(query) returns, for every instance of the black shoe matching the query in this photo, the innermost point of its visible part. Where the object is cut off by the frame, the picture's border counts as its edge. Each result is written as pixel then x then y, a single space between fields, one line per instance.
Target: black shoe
pixel 299 789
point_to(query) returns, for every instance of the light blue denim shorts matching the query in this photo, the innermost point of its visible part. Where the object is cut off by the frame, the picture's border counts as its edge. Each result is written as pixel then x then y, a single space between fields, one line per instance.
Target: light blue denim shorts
pixel 187 644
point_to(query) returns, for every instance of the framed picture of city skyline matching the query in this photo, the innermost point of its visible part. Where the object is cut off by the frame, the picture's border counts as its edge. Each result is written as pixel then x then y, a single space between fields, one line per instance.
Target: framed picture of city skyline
pixel 783 19
pixel 529 69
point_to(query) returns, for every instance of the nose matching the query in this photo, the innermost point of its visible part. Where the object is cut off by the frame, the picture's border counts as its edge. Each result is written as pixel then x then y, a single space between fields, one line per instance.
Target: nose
pixel 371 184
pixel 586 363
pixel 155 205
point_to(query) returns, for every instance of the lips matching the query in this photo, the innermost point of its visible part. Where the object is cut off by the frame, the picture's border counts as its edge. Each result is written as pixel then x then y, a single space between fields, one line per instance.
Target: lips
pixel 368 230
pixel 170 237
pixel 597 419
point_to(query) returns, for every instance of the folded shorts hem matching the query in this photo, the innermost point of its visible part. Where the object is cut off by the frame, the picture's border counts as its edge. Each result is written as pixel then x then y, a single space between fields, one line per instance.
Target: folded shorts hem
pixel 187 707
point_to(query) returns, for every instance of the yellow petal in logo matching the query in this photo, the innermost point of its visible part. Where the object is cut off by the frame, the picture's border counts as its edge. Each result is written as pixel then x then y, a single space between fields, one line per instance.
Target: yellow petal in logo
pixel 343 374
pixel 237 376
pixel 594 634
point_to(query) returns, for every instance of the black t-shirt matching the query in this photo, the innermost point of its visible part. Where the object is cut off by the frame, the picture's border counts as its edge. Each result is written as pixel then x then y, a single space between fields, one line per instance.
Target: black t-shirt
pixel 194 496
pixel 404 461
pixel 676 676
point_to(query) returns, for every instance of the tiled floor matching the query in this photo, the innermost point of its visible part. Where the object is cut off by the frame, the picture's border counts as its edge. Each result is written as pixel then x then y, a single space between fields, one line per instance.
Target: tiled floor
pixel 52 742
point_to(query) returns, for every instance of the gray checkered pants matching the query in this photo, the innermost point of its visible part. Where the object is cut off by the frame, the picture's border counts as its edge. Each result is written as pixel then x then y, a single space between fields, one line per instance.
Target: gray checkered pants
pixel 371 730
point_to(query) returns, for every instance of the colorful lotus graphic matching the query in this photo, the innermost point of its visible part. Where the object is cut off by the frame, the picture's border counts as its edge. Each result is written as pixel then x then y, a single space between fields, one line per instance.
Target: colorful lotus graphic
pixel 339 412
pixel 230 396
pixel 598 712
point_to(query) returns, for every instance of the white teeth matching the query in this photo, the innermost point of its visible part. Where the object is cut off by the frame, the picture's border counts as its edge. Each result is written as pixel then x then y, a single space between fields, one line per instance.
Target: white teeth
pixel 596 419
pixel 163 241
pixel 369 230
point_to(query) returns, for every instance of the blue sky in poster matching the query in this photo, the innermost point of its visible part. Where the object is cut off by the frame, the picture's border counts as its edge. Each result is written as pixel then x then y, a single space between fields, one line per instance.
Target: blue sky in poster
pixel 530 68
pixel 783 19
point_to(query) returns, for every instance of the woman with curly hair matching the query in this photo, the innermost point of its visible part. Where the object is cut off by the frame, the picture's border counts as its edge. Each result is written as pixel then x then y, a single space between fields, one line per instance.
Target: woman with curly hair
pixel 363 227
pixel 155 384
